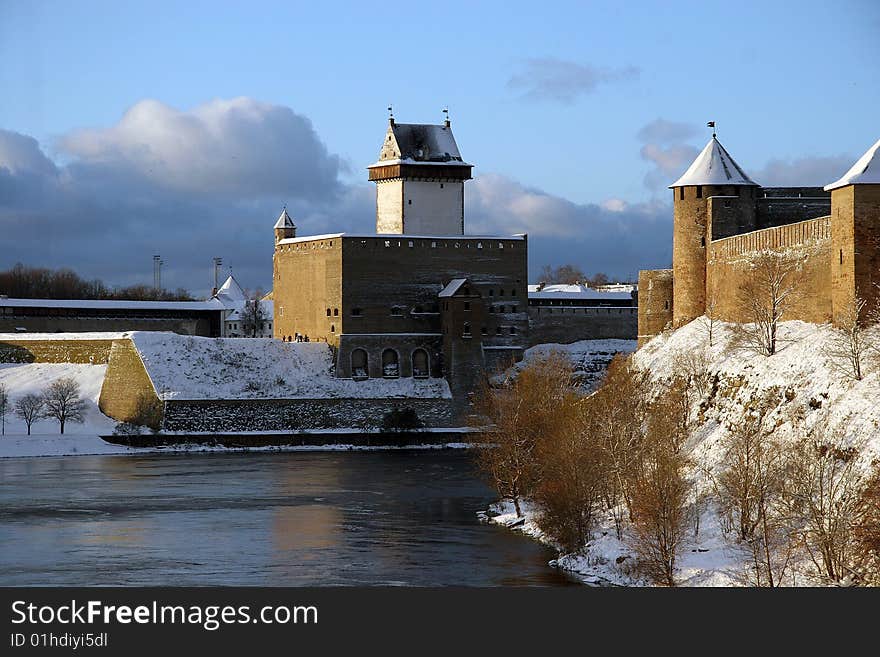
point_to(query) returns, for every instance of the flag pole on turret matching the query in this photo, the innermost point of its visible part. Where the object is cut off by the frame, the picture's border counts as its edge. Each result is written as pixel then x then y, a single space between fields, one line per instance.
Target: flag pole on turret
pixel 711 124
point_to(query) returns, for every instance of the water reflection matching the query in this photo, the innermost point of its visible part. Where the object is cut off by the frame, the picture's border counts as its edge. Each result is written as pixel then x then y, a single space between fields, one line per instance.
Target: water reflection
pixel 259 519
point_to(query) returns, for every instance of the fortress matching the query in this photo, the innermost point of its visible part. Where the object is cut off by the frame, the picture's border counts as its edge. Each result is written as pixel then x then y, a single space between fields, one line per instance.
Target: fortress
pixel 418 298
pixel 722 218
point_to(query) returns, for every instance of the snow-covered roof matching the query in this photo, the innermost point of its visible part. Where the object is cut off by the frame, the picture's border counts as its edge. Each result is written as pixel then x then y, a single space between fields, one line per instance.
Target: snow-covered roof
pixel 230 293
pixel 575 292
pixel 108 304
pixel 713 166
pixel 419 143
pixel 284 221
pixel 452 287
pixel 268 308
pixel 866 170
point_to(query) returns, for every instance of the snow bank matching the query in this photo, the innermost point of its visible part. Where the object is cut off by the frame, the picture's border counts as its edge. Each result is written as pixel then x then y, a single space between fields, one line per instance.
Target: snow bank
pixel 189 368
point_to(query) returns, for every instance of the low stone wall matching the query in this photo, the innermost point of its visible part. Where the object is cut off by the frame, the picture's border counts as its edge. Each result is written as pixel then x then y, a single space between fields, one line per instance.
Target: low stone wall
pixel 127 389
pixel 297 414
pixel 90 352
pixel 564 325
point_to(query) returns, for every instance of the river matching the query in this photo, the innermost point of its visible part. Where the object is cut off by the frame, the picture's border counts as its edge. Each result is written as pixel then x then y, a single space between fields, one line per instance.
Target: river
pixel 261 519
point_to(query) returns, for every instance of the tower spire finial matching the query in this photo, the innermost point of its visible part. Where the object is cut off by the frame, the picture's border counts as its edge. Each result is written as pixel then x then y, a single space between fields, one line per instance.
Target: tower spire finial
pixel 390 115
pixel 711 124
pixel 446 121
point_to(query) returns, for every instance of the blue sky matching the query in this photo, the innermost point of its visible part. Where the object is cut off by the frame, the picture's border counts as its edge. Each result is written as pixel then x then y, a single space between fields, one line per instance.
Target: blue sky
pixel 576 107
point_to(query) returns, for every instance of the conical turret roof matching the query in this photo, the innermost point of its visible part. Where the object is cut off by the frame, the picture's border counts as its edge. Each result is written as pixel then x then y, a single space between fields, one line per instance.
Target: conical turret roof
pixel 284 221
pixel 713 166
pixel 866 170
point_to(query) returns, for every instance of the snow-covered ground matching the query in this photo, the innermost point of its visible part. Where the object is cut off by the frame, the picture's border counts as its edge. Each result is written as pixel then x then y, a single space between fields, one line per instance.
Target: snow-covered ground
pixel 590 358
pixel 186 367
pixel 810 386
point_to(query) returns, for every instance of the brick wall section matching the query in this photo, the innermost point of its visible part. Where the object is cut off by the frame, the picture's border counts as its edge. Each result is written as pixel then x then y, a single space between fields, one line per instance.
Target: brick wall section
pixel 655 309
pixel 728 268
pixel 125 383
pixel 92 352
pixel 563 325
pixel 855 259
pixel 297 414
pixel 308 281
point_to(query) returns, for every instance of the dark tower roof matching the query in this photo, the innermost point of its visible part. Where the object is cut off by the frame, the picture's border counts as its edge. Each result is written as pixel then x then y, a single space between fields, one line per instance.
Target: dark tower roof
pixel 418 142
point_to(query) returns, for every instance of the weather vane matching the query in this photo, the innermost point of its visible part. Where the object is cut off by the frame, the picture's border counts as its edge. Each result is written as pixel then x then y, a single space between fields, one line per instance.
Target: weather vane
pixel 390 112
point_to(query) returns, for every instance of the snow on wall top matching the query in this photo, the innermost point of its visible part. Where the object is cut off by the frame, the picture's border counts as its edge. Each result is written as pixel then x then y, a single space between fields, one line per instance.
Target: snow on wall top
pixel 113 304
pixel 713 166
pixel 575 291
pixel 94 335
pixel 284 221
pixel 452 287
pixel 866 170
pixel 399 236
pixel 186 367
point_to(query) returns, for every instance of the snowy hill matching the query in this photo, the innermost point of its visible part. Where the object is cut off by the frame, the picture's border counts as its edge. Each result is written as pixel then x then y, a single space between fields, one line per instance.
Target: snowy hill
pixel 812 391
pixel 186 367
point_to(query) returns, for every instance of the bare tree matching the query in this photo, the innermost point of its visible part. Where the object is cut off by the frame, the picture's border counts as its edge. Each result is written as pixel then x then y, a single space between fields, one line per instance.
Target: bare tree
pixel 253 313
pixel 823 494
pixel 618 409
pixel 29 408
pixel 764 297
pixel 709 320
pixel 4 407
pixel 63 403
pixel 849 343
pixel 660 493
pixel 518 414
pixel 867 532
pixel 564 274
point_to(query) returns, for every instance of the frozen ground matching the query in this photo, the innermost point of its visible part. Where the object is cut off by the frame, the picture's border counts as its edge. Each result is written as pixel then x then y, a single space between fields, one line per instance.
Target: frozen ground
pixel 810 386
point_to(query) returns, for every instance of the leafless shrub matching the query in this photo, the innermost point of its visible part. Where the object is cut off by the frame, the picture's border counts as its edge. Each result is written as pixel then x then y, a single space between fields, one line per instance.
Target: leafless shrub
pixel 29 408
pixel 764 297
pixel 519 413
pixel 823 497
pixel 147 412
pixel 618 411
pixel 849 342
pixel 63 403
pixel 660 494
pixel 867 533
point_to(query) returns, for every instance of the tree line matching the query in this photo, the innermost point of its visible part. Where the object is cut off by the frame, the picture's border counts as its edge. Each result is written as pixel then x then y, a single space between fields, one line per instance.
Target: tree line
pixel 61 402
pixel 569 274
pixel 21 282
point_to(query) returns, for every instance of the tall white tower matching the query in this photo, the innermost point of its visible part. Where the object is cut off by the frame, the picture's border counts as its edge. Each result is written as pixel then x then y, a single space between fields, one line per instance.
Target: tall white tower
pixel 419 181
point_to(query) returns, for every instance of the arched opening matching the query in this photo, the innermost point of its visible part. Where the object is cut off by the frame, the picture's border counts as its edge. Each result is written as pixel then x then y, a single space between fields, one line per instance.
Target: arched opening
pixel 390 364
pixel 421 368
pixel 466 330
pixel 359 364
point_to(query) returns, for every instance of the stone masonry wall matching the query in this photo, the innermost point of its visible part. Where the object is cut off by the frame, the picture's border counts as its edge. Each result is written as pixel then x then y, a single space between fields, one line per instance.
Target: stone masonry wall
pixel 729 260
pixel 297 414
pixel 655 303
pixel 565 325
pixel 92 352
pixel 127 385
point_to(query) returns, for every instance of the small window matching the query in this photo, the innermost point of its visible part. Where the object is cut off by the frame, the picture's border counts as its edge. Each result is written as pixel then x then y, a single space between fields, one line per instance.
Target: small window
pixel 433 245
pixel 841 256
pixel 328 312
pixel 484 331
pixel 497 330
pixel 467 305
pixel 441 185
pixel 410 244
pixel 726 203
pixel 356 312
pixel 500 245
pixel 681 193
pixel 491 293
pixel 699 191
pixel 666 305
pixel 466 329
pixel 501 292
pixel 336 312
pixel 703 242
pixel 409 202
pixel 390 365
pixel 513 292
pixel 513 330
pixel 333 328
pixel 479 245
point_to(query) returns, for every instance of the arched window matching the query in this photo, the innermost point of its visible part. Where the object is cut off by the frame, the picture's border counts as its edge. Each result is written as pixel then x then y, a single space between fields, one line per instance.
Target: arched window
pixel 420 366
pixel 359 368
pixel 466 330
pixel 390 365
